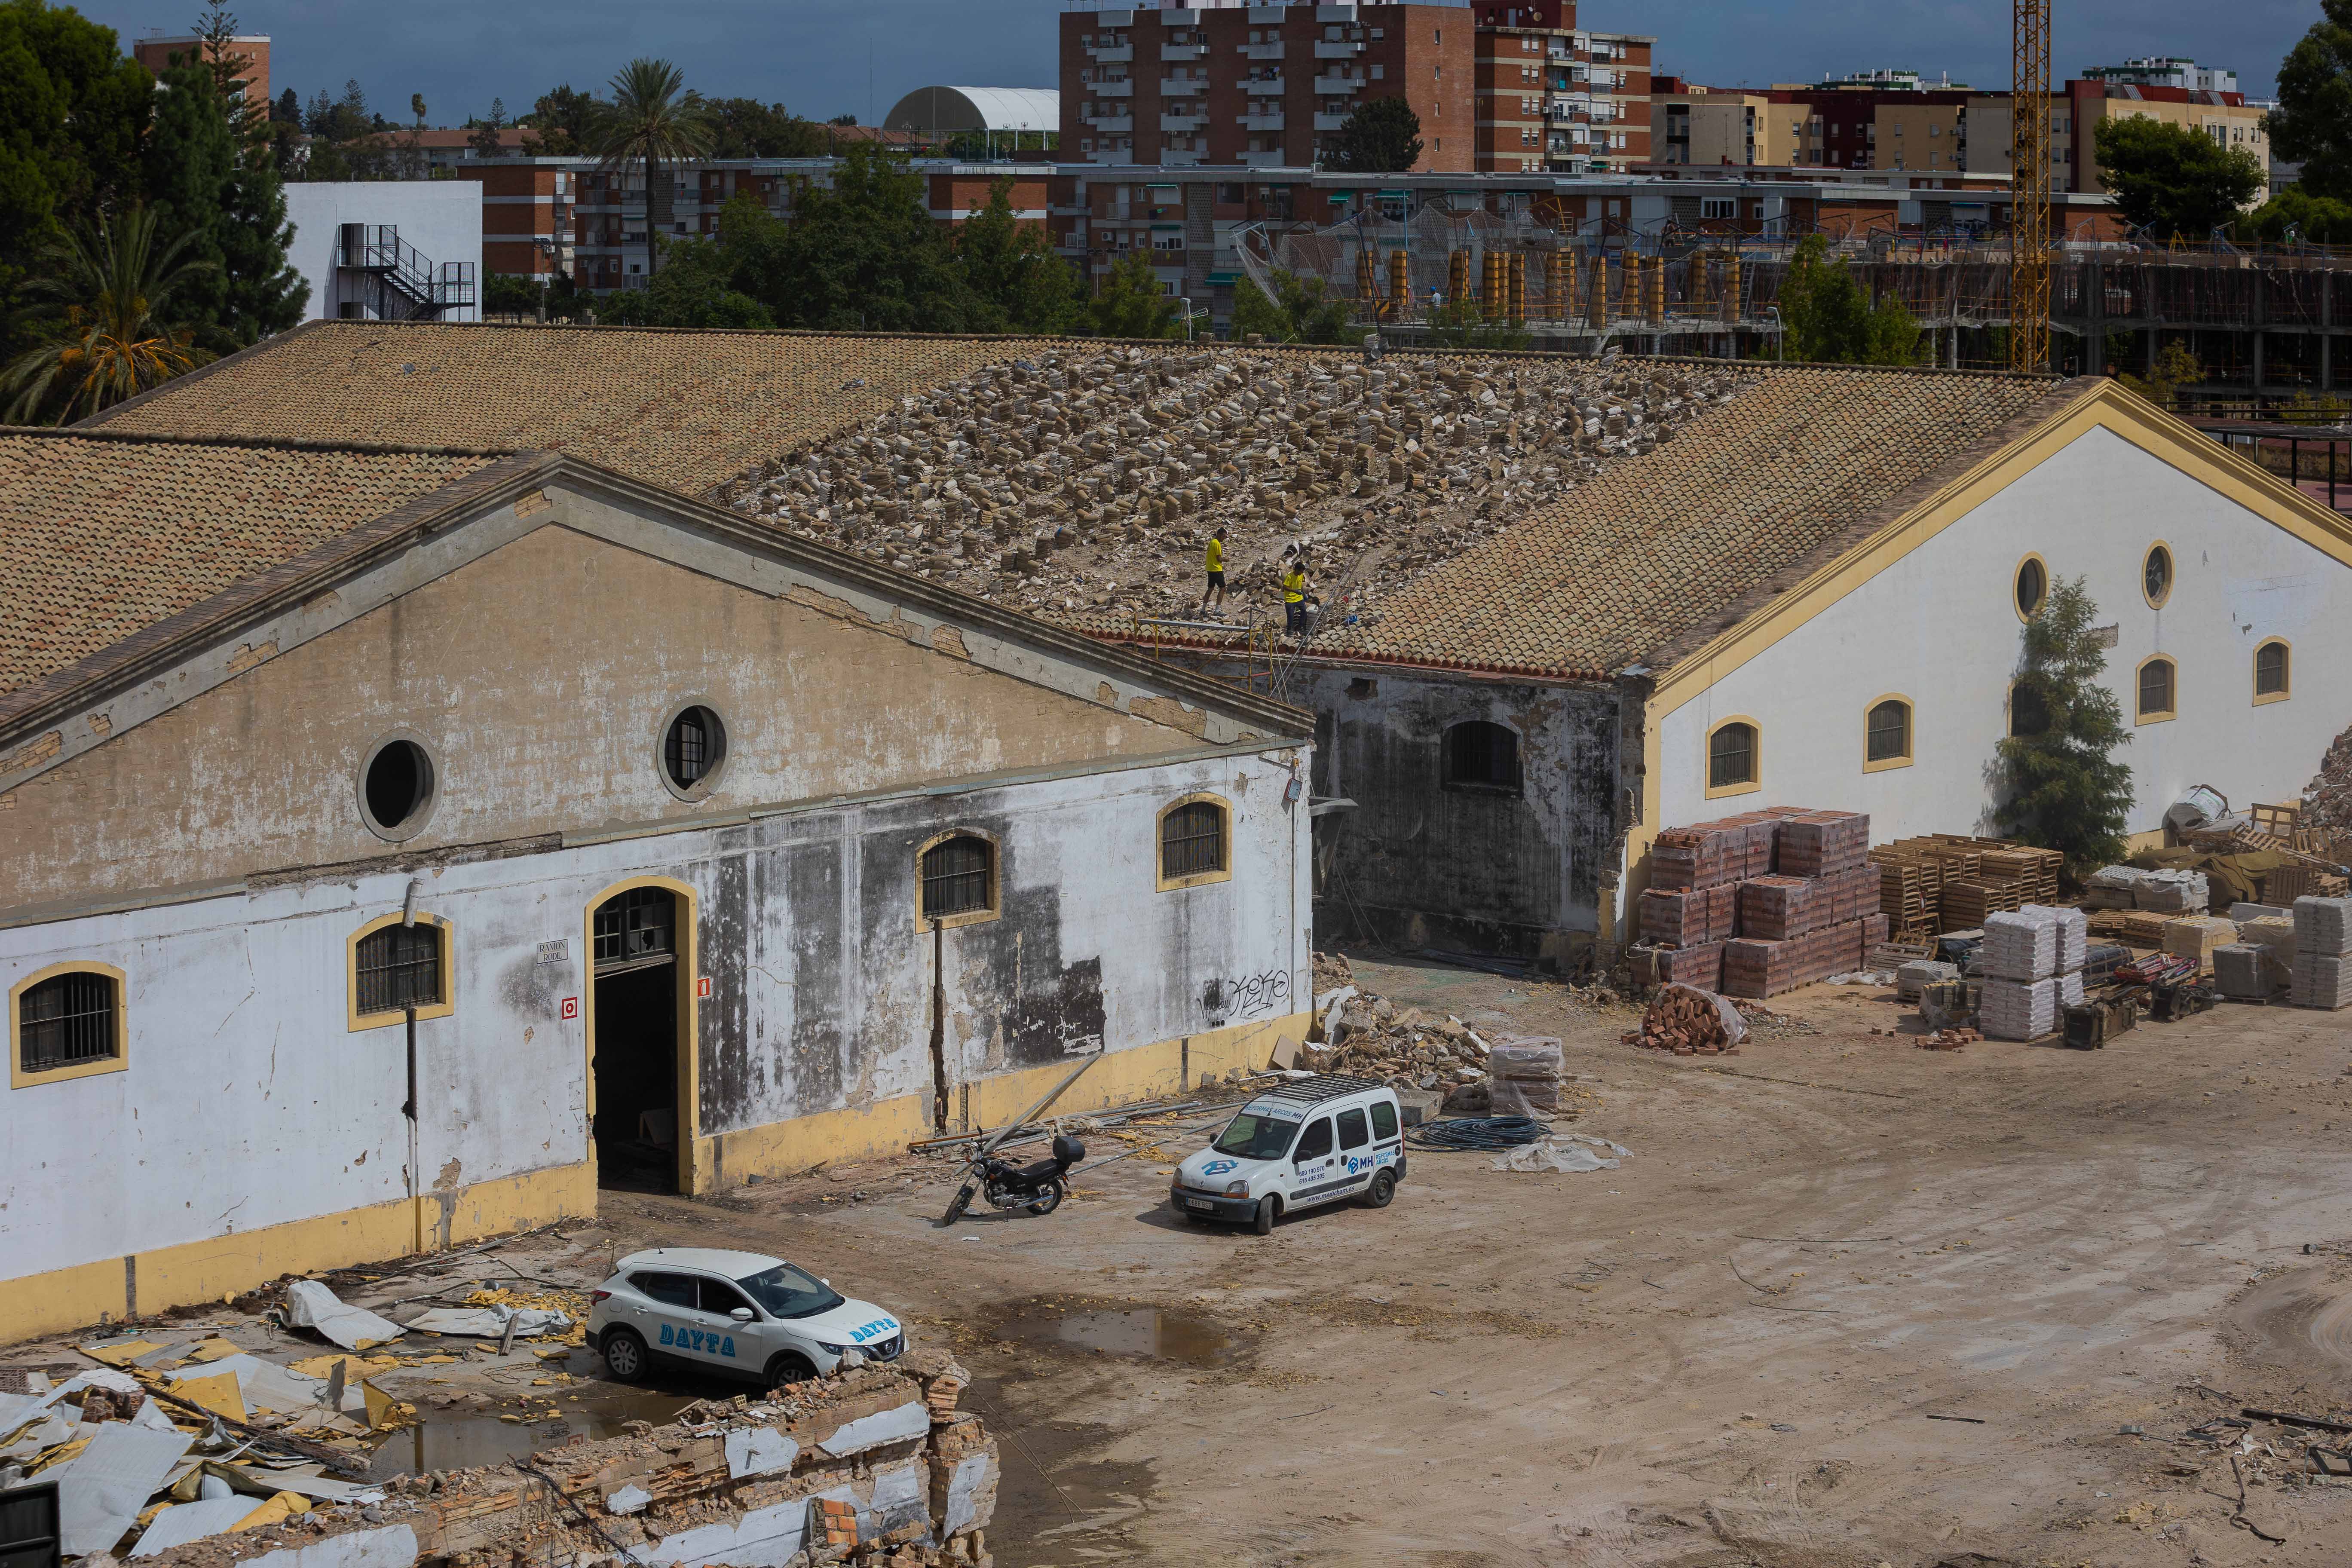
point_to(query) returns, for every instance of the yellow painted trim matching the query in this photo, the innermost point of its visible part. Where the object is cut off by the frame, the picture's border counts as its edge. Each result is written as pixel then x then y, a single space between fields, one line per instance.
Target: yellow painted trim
pixel 2157 715
pixel 1910 732
pixel 2171 575
pixel 995 879
pixel 358 1021
pixel 2024 615
pixel 2286 668
pixel 886 1127
pixel 1755 780
pixel 196 1272
pixel 1166 884
pixel 18 1077
pixel 686 934
pixel 2109 407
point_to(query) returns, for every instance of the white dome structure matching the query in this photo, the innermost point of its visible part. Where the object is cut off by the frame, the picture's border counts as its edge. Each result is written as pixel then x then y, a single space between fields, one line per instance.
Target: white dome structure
pixel 991 110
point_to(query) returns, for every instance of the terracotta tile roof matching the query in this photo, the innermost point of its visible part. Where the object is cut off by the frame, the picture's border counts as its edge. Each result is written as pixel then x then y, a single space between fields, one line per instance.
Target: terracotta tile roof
pixel 1658 552
pixel 684 410
pixel 100 538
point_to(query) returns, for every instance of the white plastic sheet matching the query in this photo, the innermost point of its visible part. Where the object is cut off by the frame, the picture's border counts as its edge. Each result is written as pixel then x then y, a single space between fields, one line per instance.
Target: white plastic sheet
pixel 183 1523
pixel 102 1490
pixel 310 1305
pixel 1565 1154
pixel 490 1322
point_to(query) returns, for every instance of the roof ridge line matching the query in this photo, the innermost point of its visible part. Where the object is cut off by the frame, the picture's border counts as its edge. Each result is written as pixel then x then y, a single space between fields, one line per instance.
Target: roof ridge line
pixel 268 443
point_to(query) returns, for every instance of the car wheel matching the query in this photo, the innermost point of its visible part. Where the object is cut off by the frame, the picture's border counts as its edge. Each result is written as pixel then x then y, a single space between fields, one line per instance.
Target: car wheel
pixel 790 1366
pixel 1262 1221
pixel 625 1356
pixel 1384 1188
pixel 1049 1198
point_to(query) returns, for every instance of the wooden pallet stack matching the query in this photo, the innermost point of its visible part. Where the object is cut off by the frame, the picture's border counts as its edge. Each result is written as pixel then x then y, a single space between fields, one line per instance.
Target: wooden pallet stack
pixel 1948 881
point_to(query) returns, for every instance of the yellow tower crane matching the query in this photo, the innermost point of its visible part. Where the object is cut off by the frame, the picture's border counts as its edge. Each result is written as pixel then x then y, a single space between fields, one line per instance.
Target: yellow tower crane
pixel 2028 212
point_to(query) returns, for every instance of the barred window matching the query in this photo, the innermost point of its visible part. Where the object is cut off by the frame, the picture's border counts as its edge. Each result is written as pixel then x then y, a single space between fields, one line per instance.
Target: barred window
pixel 1731 756
pixel 693 748
pixel 637 928
pixel 2269 670
pixel 1890 731
pixel 2156 698
pixel 67 1020
pixel 959 876
pixel 1192 840
pixel 1479 755
pixel 402 967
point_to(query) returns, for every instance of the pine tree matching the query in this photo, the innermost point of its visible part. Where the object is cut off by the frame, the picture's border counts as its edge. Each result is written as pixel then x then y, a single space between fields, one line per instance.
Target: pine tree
pixel 231 207
pixel 2062 788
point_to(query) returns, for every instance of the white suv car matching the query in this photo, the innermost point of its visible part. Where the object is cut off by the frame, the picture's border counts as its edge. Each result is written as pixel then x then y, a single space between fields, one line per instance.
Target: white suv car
pixel 1313 1140
pixel 738 1312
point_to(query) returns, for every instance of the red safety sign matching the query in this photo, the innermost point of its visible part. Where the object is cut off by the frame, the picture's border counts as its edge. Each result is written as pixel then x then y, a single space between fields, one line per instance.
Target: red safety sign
pixel 702 986
pixel 571 1007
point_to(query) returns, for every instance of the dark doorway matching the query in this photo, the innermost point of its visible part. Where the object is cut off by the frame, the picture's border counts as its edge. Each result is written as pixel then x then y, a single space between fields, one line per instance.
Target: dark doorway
pixel 636 1049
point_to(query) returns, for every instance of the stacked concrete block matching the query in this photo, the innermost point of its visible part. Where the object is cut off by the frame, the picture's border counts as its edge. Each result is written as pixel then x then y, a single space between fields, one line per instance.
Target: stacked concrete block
pixel 2243 971
pixel 2019 1009
pixel 2323 953
pixel 2032 964
pixel 2275 934
pixel 1822 843
pixel 1775 909
pixel 2196 936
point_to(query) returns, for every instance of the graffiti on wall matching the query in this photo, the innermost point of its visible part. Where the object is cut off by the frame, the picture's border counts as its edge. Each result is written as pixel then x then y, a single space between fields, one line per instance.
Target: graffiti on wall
pixel 1248 996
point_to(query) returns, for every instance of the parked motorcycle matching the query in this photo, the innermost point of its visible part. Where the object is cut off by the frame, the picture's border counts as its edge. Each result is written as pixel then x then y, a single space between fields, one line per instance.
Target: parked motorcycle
pixel 1039 1188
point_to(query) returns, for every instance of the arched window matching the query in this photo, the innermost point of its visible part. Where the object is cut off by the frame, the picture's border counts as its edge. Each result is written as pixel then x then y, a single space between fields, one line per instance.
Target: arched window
pixel 2272 673
pixel 1886 733
pixel 959 876
pixel 2029 711
pixel 1734 760
pixel 1481 756
pixel 1195 843
pixel 2157 699
pixel 67 1022
pixel 396 967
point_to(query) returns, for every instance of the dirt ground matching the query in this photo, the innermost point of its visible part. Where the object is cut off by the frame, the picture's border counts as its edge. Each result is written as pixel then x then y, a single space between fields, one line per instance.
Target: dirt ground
pixel 1733 1349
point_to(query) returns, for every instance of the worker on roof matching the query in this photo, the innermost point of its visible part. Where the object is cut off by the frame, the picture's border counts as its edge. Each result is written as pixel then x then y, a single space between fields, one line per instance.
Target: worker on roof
pixel 1294 592
pixel 1214 559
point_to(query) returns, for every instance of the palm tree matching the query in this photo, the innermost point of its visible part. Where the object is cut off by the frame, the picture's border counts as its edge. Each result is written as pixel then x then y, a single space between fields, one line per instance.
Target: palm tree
pixel 111 343
pixel 653 120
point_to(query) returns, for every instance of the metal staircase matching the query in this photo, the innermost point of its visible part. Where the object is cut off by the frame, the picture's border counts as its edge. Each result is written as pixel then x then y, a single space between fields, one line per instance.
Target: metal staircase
pixel 393 282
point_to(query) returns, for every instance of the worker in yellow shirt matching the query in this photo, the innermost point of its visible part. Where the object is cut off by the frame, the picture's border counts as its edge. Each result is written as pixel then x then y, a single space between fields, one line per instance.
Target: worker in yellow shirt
pixel 1213 558
pixel 1293 595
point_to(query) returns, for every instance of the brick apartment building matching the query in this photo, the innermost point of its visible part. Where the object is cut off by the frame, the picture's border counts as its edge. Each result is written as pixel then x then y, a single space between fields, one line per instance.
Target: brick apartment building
pixel 250 50
pixel 1500 88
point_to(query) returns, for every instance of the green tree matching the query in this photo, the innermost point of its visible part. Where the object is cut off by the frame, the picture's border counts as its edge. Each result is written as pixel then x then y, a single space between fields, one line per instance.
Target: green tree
pixel 1018 284
pixel 864 254
pixel 229 204
pixel 1382 136
pixel 2313 123
pixel 1131 303
pixel 485 141
pixel 653 120
pixel 560 123
pixel 2295 214
pixel 746 127
pixel 2174 180
pixel 217 52
pixel 1463 324
pixel 1300 310
pixel 695 287
pixel 1825 316
pixel 115 285
pixel 2061 787
pixel 2175 368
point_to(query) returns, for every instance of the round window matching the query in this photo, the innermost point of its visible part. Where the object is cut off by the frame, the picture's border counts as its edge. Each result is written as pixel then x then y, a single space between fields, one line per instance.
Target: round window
pixel 694 746
pixel 396 787
pixel 2032 586
pixel 2156 576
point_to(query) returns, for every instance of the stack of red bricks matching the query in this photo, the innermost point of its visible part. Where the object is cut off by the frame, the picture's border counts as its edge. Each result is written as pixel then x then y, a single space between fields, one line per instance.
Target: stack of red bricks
pixel 1762 902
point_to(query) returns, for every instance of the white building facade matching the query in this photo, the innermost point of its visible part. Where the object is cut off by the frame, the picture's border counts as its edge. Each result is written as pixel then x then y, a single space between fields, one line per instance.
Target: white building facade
pixel 388 249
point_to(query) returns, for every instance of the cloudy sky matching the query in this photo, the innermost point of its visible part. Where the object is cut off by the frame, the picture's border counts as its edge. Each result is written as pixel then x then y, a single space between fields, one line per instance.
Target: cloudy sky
pixel 822 57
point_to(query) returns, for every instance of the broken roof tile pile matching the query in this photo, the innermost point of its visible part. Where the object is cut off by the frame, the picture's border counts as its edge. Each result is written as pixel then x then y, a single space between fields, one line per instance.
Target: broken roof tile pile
pixel 1803 463
pixel 684 410
pixel 1083 481
pixel 100 538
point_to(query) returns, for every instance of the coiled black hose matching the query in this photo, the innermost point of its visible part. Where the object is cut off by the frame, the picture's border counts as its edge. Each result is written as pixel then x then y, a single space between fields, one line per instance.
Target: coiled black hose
pixel 1477 1132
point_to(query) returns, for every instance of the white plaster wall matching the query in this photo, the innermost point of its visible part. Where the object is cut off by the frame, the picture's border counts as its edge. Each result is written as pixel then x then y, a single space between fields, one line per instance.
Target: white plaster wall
pixel 1939 627
pixel 247 1101
pixel 441 219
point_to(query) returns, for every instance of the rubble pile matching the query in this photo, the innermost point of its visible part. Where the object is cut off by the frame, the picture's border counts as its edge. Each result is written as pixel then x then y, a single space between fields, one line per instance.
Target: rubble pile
pixel 874 1466
pixel 1374 1038
pixel 1687 1022
pixel 2327 799
pixel 1085 480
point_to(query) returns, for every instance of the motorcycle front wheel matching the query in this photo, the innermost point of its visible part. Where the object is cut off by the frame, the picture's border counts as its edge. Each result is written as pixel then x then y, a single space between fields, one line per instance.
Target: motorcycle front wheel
pixel 961 1202
pixel 1049 1198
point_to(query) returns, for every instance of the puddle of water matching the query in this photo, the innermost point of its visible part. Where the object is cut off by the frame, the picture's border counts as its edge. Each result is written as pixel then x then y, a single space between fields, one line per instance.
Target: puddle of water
pixel 1142 1332
pixel 447 1436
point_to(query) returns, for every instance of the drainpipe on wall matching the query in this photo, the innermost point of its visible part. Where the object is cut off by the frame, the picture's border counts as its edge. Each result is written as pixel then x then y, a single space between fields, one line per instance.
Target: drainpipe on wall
pixel 408 1110
pixel 938 1026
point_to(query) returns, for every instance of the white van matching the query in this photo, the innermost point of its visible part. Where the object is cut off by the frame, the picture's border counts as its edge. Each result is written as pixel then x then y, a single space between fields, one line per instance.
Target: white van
pixel 1312 1141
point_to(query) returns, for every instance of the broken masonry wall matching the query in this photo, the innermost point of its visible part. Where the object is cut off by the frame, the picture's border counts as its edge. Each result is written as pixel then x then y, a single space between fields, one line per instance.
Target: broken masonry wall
pixel 251 1130
pixel 866 1463
pixel 1427 863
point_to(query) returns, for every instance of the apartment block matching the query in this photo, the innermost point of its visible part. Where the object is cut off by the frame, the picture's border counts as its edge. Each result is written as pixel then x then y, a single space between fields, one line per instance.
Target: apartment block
pixel 1260 86
pixel 1554 97
pixel 1715 127
pixel 250 51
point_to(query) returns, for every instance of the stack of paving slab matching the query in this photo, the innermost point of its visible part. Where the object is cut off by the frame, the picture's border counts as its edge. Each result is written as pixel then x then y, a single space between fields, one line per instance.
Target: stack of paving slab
pixel 2032 964
pixel 1765 901
pixel 2323 953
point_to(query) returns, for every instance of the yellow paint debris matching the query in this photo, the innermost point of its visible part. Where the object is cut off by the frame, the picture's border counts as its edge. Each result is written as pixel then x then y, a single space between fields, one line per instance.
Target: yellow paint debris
pixel 122 1354
pixel 211 1350
pixel 276 1510
pixel 217 1394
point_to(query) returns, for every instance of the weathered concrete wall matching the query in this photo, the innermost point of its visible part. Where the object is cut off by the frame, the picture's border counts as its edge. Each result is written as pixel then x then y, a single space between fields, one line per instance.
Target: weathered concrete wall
pixel 1433 865
pixel 540 677
pixel 247 1102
